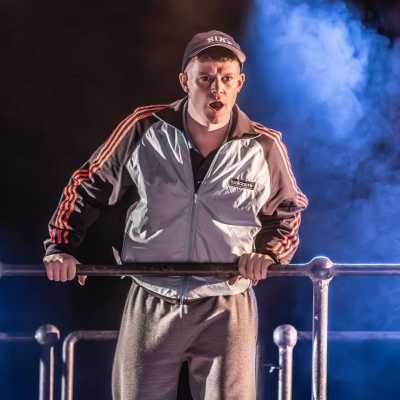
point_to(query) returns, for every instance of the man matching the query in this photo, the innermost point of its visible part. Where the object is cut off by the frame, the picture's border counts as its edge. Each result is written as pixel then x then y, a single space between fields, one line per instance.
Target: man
pixel 212 186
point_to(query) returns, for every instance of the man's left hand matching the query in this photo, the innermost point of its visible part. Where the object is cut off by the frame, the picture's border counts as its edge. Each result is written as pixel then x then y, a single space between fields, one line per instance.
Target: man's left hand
pixel 253 266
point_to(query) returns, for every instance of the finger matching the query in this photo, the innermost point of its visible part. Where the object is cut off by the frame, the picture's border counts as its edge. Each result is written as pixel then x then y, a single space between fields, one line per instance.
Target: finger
pixel 49 270
pixel 265 265
pixel 63 272
pixel 252 267
pixel 56 271
pixel 251 260
pixel 258 267
pixel 71 271
pixel 82 279
pixel 243 265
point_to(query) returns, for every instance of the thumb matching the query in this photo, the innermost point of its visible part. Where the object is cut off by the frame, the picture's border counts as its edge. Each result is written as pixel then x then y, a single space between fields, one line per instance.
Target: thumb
pixel 82 279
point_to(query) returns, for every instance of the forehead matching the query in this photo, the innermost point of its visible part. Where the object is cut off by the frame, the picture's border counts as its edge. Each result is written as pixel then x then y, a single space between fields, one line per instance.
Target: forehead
pixel 197 66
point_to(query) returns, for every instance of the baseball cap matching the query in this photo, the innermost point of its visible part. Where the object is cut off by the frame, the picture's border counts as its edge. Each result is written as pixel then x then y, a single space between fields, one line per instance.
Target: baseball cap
pixel 205 40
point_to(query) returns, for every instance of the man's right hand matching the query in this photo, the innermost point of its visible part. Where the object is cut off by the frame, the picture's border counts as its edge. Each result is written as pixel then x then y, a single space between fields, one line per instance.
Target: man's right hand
pixel 62 267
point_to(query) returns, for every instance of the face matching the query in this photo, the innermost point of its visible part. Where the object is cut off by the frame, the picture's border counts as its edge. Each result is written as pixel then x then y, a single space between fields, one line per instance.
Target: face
pixel 212 88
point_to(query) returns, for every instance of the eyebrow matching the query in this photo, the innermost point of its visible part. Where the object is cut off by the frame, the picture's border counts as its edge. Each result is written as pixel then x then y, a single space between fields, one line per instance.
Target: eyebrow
pixel 200 72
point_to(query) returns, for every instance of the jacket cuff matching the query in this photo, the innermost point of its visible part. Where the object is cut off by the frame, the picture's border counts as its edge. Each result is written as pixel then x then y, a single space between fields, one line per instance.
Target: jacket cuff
pixel 272 255
pixel 53 248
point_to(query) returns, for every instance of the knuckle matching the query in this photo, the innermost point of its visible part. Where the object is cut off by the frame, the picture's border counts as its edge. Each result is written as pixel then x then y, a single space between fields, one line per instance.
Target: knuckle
pixel 49 265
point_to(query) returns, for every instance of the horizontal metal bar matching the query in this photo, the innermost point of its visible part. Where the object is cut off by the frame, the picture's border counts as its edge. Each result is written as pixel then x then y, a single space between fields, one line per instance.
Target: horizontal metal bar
pixel 127 269
pixel 366 269
pixel 355 336
pixel 151 268
pixel 45 335
pixel 157 268
pixel 204 269
pixel 16 337
pixel 76 336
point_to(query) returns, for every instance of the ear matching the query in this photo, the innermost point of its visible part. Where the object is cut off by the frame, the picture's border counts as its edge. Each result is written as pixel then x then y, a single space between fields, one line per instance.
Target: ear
pixel 183 79
pixel 241 80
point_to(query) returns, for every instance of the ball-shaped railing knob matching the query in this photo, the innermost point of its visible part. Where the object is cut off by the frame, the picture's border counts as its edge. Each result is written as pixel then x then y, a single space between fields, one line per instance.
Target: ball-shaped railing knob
pixel 285 336
pixel 320 268
pixel 47 334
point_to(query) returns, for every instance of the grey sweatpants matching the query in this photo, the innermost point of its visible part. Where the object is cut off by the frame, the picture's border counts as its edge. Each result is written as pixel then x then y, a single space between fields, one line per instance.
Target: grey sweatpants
pixel 215 335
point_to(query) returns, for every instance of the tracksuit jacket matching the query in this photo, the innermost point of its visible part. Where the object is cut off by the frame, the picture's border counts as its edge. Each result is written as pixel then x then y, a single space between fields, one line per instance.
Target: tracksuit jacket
pixel 248 200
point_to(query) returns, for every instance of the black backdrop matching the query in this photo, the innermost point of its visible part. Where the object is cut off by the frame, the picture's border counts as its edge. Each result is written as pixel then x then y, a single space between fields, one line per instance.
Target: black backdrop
pixel 70 72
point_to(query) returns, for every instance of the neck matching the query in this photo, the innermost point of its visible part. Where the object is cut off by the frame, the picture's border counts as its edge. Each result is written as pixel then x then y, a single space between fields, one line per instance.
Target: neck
pixel 206 138
pixel 196 128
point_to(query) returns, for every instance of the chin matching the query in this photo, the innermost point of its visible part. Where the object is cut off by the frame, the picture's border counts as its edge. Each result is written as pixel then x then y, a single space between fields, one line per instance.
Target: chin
pixel 218 118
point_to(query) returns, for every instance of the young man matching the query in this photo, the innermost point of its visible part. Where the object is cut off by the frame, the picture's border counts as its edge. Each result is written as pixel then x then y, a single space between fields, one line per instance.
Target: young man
pixel 212 186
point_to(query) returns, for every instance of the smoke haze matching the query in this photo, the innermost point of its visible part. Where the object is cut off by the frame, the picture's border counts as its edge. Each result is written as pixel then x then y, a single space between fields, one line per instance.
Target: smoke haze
pixel 332 86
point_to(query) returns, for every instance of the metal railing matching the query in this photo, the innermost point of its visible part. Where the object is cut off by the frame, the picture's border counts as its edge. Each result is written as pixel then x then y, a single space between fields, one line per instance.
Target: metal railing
pixel 320 270
pixel 68 355
pixel 286 338
pixel 47 337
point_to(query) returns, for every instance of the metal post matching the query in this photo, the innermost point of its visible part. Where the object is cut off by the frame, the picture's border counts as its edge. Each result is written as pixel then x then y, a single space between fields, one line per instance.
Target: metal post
pixel 68 353
pixel 285 337
pixel 47 336
pixel 320 272
pixel 68 366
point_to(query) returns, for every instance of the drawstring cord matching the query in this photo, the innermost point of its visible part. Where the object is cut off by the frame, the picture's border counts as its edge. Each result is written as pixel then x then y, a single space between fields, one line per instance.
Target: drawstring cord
pixel 181 307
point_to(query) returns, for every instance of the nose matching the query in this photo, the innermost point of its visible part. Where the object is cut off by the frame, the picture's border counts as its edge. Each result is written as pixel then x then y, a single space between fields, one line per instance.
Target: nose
pixel 216 86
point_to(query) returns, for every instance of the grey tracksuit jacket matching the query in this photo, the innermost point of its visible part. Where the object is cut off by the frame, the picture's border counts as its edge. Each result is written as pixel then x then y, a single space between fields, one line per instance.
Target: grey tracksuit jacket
pixel 248 200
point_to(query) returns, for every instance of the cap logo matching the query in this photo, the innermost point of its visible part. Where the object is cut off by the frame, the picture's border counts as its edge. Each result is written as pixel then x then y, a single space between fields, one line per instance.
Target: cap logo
pixel 219 39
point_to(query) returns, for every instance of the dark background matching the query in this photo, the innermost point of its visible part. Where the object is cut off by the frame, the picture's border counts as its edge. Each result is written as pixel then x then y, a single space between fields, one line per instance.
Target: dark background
pixel 70 72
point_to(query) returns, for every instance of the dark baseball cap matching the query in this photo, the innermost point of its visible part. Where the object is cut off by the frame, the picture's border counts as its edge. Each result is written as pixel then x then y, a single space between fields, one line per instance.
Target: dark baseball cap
pixel 205 40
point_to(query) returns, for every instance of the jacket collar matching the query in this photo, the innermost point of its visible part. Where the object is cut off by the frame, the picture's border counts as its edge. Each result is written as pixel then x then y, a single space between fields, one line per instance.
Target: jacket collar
pixel 241 124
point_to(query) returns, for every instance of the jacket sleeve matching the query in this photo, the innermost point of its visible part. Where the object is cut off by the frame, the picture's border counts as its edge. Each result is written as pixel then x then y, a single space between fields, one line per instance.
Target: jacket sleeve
pixel 281 214
pixel 101 181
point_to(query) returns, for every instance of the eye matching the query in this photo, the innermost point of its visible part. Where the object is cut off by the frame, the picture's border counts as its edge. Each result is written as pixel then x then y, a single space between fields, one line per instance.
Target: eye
pixel 227 78
pixel 204 78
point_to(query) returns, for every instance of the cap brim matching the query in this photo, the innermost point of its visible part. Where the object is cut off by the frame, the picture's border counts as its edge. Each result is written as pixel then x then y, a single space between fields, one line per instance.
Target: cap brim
pixel 238 53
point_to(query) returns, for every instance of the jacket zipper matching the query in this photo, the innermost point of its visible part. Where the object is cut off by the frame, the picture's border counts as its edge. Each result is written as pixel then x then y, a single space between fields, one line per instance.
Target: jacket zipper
pixel 190 241
pixel 192 218
pixel 190 244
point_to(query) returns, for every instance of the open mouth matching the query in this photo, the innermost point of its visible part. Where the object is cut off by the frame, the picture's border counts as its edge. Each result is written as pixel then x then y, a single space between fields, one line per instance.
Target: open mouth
pixel 216 105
